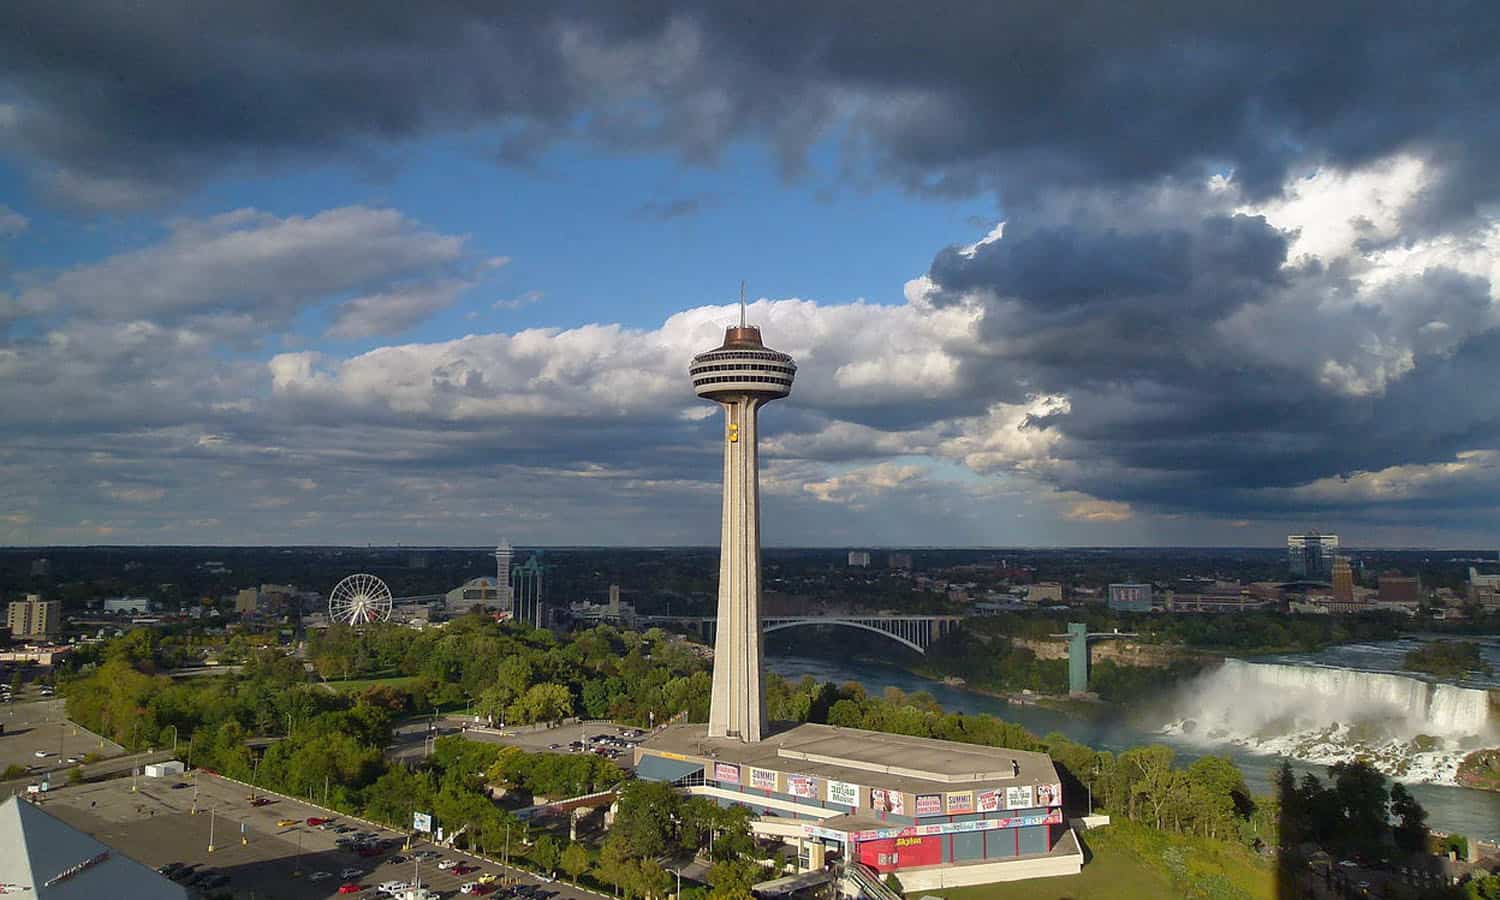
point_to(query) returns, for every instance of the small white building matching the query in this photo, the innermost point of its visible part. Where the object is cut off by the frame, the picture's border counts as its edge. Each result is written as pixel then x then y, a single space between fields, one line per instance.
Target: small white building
pixel 166 769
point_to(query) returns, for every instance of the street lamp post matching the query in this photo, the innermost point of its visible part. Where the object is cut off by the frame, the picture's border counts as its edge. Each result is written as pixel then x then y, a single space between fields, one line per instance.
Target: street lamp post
pixel 211 815
pixel 254 776
pixel 174 739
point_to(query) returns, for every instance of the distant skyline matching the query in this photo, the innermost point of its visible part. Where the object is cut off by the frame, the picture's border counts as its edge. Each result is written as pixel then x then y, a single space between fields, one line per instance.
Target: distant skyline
pixel 1099 276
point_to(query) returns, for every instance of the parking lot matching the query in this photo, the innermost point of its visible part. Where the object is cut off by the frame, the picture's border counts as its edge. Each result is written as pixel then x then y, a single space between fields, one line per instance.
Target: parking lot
pixel 573 738
pixel 261 858
pixel 41 726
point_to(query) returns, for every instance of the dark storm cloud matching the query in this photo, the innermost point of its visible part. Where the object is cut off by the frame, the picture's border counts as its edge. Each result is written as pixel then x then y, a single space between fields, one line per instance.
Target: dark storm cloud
pixel 117 102
pixel 1205 375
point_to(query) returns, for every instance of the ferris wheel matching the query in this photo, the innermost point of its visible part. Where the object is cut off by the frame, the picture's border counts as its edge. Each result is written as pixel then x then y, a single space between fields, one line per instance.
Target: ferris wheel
pixel 360 599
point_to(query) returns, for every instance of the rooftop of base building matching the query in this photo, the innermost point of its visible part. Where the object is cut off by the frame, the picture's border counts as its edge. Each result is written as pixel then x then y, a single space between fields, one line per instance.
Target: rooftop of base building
pixel 895 761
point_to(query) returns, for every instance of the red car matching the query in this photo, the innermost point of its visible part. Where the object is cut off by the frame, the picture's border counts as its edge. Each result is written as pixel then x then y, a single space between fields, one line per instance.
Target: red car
pixel 314 820
pixel 350 888
pixel 464 870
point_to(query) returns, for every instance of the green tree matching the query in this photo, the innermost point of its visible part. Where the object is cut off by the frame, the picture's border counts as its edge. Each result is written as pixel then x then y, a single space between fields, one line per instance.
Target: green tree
pixel 1410 832
pixel 894 883
pixel 732 879
pixel 652 880
pixel 546 854
pixel 575 860
pixel 644 824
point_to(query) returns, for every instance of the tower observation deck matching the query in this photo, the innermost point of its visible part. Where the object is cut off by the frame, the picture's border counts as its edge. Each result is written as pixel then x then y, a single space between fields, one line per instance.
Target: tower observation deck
pixel 742 375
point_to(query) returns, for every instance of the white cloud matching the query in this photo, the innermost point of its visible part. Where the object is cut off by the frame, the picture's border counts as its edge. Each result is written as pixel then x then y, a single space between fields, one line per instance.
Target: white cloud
pixel 860 485
pixel 1333 210
pixel 393 311
pixel 12 223
pixel 252 263
pixel 1099 511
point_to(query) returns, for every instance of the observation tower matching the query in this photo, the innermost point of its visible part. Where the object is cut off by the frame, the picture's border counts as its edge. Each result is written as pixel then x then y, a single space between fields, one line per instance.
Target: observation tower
pixel 741 375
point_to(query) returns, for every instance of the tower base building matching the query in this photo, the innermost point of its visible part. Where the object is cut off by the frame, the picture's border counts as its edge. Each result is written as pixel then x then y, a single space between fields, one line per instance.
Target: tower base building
pixel 937 813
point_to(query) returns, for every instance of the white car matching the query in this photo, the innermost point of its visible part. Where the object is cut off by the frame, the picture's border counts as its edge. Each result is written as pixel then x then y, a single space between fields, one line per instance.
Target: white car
pixel 469 887
pixel 447 864
pixel 319 876
pixel 351 873
pixel 392 887
pixel 41 754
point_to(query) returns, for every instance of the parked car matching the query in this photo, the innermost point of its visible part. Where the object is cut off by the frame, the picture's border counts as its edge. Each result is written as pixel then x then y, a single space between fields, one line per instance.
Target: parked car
pixel 319 876
pixel 350 888
pixel 261 801
pixel 351 873
pixel 41 754
pixel 285 823
pixel 314 820
pixel 447 864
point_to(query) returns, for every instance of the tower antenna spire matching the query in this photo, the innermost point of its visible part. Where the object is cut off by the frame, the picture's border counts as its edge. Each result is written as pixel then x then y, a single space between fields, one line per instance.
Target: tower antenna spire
pixel 742 303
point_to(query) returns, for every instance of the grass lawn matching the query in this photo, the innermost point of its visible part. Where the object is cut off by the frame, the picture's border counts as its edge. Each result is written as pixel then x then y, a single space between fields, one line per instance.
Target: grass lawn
pixel 359 684
pixel 1129 862
pixel 1113 874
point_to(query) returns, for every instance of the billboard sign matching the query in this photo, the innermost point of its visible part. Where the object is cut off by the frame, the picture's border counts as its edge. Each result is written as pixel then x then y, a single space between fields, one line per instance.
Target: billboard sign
pixel 929 804
pixel 991 801
pixel 842 792
pixel 901 852
pixel 763 779
pixel 960 802
pixel 421 822
pixel 1051 817
pixel 1019 796
pixel 1049 794
pixel 727 773
pixel 802 786
pixel 893 802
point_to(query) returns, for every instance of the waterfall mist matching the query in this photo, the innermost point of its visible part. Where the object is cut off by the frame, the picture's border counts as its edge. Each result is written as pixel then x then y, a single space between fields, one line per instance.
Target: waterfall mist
pixel 1410 728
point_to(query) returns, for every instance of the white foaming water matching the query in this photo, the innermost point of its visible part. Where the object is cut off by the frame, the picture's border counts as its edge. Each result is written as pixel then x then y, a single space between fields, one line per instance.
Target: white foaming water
pixel 1409 728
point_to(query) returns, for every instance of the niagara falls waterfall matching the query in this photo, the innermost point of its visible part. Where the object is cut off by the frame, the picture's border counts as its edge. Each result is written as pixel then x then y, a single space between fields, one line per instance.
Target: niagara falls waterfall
pixel 1411 729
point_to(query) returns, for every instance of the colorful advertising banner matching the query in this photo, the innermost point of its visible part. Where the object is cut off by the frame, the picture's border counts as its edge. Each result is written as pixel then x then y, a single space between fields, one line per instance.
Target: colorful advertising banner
pixel 929 804
pixel 990 801
pixel 960 802
pixel 1051 817
pixel 1049 794
pixel 893 802
pixel 763 779
pixel 1019 796
pixel 802 786
pixel 843 793
pixel 728 773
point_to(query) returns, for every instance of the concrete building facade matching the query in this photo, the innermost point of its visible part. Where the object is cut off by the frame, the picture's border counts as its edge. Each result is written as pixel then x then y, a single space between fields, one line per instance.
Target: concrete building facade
pixel 1130 597
pixel 937 813
pixel 1311 555
pixel 741 375
pixel 34 618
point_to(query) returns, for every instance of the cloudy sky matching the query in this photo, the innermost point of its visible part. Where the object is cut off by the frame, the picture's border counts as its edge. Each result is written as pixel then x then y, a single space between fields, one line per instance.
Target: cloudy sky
pixel 1053 273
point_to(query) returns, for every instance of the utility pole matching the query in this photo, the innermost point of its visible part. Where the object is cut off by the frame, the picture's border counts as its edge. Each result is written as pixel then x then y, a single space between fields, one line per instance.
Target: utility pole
pixel 212 810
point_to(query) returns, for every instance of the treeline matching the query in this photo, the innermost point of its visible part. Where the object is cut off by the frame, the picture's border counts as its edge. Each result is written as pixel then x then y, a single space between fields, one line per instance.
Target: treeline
pixel 1447 659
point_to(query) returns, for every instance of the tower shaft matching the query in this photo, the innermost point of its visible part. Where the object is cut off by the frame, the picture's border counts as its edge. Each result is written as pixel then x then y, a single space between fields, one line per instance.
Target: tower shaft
pixel 738 701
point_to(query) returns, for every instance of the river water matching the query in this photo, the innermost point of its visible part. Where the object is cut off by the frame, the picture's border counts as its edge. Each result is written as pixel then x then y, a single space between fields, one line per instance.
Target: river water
pixel 1449 808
